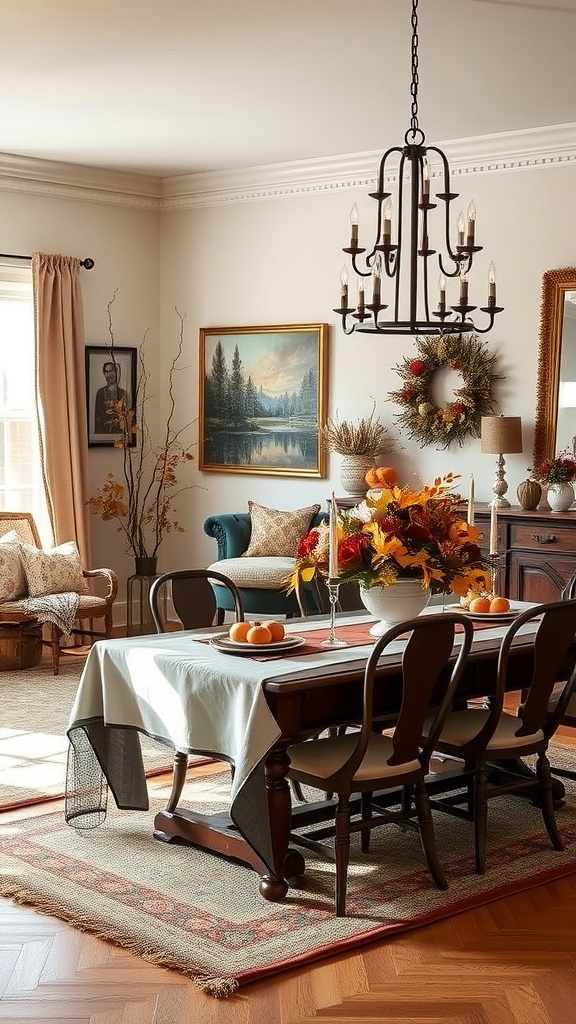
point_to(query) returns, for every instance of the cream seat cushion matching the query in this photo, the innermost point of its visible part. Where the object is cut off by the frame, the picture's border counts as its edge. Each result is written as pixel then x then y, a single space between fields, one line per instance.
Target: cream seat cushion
pixel 258 573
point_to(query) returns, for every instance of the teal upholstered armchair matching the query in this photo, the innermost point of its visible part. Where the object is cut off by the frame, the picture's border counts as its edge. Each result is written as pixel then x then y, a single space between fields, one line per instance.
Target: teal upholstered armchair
pixel 259 578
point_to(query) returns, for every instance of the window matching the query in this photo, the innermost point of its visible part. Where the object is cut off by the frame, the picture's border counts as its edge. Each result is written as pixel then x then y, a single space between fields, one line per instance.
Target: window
pixel 20 475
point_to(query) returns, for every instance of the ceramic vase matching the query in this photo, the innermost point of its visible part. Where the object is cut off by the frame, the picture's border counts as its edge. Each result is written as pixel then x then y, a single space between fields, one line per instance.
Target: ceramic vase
pixel 353 471
pixel 529 493
pixel 560 496
pixel 402 600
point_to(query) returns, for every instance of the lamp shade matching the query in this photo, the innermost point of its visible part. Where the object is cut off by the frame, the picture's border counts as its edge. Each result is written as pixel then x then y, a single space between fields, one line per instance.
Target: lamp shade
pixel 501 435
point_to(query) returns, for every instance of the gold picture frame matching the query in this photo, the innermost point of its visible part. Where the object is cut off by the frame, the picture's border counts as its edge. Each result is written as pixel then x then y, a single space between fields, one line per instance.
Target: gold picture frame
pixel 263 399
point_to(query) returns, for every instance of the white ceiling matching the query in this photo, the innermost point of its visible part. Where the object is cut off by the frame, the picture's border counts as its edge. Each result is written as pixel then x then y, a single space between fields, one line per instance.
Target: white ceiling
pixel 167 87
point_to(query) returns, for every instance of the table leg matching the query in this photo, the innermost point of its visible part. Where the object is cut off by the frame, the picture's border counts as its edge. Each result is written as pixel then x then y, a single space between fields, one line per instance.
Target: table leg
pixel 287 863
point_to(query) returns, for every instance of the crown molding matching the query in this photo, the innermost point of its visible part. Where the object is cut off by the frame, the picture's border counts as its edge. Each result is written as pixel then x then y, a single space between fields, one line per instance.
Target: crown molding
pixel 550 146
pixel 75 181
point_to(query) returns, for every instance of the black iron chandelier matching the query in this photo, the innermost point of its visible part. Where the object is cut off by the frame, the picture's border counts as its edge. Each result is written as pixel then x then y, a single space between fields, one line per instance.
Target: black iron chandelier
pixel 408 264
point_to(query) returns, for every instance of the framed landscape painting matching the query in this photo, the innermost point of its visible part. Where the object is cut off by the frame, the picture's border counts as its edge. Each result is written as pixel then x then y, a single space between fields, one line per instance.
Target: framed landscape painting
pixel 263 399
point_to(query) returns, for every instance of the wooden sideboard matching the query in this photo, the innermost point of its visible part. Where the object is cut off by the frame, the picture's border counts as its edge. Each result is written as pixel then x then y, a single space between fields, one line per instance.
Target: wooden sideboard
pixel 537 551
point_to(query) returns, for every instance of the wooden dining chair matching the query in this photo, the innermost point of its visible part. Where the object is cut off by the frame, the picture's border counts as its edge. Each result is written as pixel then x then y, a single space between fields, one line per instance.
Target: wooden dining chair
pixel 192 598
pixel 194 602
pixel 479 736
pixel 367 761
pixel 569 717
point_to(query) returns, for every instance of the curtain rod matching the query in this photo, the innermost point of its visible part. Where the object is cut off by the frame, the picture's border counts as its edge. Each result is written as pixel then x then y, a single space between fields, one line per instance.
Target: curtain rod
pixel 87 263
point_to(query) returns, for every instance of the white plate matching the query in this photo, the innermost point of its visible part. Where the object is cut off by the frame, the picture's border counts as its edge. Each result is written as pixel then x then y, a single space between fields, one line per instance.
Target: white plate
pixel 224 643
pixel 496 616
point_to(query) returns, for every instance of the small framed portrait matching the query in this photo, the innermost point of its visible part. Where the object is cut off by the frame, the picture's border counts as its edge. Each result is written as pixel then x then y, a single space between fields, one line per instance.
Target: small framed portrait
pixel 110 378
pixel 263 399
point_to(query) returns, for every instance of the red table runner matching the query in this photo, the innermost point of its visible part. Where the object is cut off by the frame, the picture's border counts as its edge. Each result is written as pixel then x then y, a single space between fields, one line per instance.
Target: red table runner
pixel 355 634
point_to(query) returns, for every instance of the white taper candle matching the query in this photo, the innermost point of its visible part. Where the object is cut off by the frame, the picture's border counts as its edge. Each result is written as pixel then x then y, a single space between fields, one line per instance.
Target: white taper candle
pixel 494 531
pixel 471 502
pixel 333 548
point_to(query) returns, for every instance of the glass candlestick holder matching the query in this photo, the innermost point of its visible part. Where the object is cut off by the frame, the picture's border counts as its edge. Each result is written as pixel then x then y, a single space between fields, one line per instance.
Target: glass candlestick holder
pixel 333 586
pixel 494 561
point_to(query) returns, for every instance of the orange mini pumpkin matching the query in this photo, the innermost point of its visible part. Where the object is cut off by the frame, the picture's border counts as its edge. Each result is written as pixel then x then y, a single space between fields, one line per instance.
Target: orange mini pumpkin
pixel 381 476
pixel 258 634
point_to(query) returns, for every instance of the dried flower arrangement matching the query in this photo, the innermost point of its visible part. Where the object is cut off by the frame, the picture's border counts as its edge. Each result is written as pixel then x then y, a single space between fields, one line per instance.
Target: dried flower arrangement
pixel 366 436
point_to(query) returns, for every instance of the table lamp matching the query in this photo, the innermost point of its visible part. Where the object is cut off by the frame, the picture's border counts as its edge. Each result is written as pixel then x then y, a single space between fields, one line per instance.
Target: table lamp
pixel 500 435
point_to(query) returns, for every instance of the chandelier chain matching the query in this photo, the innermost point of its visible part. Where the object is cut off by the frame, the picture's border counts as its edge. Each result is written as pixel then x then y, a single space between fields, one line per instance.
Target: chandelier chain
pixel 414 82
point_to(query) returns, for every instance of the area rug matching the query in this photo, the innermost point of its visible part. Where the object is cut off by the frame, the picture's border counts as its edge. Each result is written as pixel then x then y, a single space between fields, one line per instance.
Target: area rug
pixel 201 914
pixel 34 709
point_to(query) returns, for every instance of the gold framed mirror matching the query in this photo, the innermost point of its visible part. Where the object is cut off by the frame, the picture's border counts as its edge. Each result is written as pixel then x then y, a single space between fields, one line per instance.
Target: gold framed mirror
pixel 555 427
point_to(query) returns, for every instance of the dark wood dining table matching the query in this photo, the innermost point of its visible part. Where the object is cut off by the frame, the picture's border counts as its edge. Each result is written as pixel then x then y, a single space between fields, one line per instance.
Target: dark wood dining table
pixel 302 692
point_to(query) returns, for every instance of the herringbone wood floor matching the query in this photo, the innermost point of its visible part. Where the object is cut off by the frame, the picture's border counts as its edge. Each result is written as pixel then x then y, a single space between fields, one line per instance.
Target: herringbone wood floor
pixel 512 962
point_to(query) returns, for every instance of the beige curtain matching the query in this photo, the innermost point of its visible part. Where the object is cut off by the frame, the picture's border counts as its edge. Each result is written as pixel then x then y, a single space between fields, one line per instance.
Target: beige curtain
pixel 61 392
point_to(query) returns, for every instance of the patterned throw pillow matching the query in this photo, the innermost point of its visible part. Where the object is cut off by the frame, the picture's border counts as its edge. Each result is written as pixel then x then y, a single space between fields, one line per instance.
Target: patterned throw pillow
pixel 12 578
pixel 276 533
pixel 53 571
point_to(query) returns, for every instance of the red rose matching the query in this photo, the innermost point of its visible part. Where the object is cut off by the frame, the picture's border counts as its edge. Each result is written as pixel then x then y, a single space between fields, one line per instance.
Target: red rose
pixel 407 394
pixel 307 544
pixel 456 364
pixel 416 367
pixel 350 551
pixel 458 408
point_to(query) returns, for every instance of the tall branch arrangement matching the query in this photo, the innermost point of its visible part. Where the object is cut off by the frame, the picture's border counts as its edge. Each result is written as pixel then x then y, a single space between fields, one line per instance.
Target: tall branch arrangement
pixel 142 503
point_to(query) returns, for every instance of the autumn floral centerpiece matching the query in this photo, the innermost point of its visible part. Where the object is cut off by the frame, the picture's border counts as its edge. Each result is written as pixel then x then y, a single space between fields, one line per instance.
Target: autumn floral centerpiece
pixel 400 534
pixel 141 501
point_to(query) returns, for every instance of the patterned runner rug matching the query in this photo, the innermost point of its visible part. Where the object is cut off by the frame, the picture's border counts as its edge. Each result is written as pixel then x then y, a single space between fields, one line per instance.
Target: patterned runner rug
pixel 34 709
pixel 200 914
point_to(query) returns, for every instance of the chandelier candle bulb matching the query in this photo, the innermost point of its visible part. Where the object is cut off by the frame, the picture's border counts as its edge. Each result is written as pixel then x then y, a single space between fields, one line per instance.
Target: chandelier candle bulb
pixel 387 229
pixel 333 540
pixel 361 296
pixel 471 502
pixel 463 290
pixel 425 181
pixel 471 223
pixel 344 288
pixel 376 285
pixel 461 229
pixel 442 299
pixel 492 284
pixel 354 227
